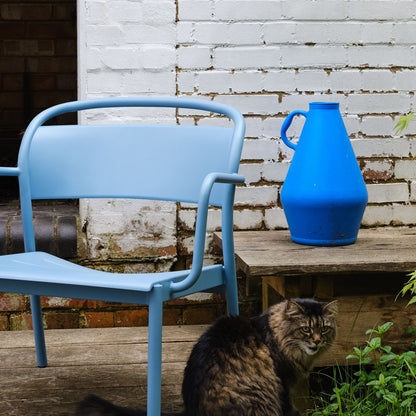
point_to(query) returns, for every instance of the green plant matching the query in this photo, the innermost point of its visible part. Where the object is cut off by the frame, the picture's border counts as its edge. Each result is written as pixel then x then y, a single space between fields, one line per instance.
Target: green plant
pixel 384 383
pixel 403 123
pixel 410 286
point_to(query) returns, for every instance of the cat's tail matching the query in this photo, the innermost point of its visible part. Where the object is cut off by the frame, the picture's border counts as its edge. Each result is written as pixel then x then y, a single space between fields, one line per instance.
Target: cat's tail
pixel 96 406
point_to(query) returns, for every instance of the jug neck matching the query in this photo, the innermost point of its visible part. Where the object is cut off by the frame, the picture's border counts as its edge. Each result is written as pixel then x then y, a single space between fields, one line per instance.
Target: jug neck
pixel 323 106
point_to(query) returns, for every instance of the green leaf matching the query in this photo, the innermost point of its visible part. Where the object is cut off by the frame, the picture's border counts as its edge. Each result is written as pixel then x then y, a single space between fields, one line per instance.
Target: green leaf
pixel 390 397
pixel 387 357
pixel 410 331
pixel 399 385
pixel 374 342
pixel 403 123
pixel 385 327
pixel 407 402
pixel 366 351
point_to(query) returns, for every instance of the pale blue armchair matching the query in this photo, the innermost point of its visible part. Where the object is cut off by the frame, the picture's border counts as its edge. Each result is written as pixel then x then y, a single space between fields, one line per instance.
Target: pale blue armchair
pixel 194 164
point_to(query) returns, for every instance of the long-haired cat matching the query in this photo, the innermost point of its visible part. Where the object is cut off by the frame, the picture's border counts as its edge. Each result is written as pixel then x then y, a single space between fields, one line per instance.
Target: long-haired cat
pixel 244 366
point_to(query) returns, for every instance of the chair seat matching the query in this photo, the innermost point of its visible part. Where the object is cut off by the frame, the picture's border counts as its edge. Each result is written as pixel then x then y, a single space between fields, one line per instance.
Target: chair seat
pixel 42 273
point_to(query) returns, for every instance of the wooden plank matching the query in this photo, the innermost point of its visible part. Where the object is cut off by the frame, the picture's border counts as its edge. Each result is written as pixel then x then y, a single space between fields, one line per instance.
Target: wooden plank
pixel 105 376
pixel 110 362
pixel 69 355
pixel 357 314
pixel 261 253
pixel 63 403
pixel 99 335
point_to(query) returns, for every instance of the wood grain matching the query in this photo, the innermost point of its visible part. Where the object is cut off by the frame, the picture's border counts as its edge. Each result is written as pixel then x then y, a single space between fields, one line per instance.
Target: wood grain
pixel 111 363
pixel 263 253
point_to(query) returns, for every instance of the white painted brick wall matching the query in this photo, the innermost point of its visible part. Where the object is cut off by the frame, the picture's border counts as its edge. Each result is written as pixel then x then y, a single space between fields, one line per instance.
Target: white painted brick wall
pixel 128 48
pixel 267 58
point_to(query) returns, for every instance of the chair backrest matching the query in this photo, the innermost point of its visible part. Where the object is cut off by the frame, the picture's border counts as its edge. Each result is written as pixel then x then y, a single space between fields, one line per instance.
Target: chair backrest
pixel 130 160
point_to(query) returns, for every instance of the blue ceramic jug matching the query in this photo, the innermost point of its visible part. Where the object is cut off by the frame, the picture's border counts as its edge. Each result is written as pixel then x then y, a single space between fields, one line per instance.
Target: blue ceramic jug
pixel 324 194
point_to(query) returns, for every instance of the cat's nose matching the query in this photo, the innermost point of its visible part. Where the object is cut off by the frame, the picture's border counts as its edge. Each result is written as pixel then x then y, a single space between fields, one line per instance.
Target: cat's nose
pixel 316 339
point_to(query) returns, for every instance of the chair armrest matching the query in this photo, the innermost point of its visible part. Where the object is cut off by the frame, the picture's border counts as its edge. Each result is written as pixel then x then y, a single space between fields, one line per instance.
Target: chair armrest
pixel 201 225
pixel 7 171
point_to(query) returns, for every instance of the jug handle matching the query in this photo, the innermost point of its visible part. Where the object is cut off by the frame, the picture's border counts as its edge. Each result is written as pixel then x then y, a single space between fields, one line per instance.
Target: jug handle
pixel 286 125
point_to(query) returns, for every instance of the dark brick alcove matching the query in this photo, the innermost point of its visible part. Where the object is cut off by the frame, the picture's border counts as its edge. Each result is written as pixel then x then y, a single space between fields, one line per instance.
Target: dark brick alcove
pixel 38 68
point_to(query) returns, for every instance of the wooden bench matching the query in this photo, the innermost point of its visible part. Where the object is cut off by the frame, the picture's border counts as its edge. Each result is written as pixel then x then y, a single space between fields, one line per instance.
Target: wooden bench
pixel 83 361
pixel 365 277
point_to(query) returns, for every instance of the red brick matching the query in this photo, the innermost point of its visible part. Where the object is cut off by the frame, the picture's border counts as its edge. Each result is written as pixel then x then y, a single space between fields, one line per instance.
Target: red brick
pixel 197 316
pixel 10 12
pixel 45 99
pixel 40 12
pixel 66 82
pixel 214 298
pixel 132 318
pixel 12 30
pixel 12 65
pixel 50 30
pixel 21 322
pixel 113 305
pixel 55 302
pixel 13 118
pixel 172 317
pixel 51 64
pixel 375 171
pixel 11 99
pixel 4 323
pixel 12 302
pixel 66 47
pixel 99 319
pixel 26 12
pixel 12 82
pixel 167 251
pixel 40 82
pixel 69 118
pixel 29 47
pixel 82 303
pixel 61 320
pixel 65 11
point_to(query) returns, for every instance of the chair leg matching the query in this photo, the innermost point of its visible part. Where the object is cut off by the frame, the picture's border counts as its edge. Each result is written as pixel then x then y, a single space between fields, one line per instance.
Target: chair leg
pixel 38 331
pixel 232 297
pixel 228 257
pixel 154 372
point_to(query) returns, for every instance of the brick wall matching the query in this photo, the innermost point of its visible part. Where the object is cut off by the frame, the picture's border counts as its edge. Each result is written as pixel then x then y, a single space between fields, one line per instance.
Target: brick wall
pixel 266 58
pixel 38 56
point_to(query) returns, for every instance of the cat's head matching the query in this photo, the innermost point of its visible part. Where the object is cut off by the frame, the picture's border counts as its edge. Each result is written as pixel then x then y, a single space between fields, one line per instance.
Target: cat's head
pixel 306 326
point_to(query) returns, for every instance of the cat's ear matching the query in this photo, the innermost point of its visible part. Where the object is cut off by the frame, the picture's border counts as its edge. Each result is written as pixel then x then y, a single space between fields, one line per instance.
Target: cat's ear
pixel 331 307
pixel 293 308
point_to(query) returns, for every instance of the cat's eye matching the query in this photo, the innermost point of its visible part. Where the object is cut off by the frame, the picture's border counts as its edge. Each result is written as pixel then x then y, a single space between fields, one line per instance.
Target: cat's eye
pixel 306 329
pixel 324 329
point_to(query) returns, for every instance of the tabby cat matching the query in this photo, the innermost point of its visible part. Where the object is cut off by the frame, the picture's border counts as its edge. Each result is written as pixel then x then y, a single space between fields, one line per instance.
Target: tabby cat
pixel 244 366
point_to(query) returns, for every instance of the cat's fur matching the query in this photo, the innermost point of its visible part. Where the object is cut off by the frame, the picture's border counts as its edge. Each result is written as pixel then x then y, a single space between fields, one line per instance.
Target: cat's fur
pixel 244 366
